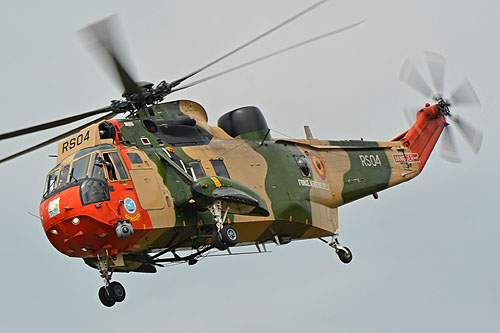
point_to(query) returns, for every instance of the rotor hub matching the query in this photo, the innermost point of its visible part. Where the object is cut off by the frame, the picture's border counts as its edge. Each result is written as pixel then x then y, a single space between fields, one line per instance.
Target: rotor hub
pixel 443 105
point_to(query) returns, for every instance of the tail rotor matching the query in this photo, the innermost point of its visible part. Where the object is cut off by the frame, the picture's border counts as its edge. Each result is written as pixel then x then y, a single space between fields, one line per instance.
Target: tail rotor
pixel 463 94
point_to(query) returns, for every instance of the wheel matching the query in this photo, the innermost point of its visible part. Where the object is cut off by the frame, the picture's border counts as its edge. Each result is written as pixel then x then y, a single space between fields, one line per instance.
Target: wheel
pixel 116 291
pixel 219 245
pixel 229 235
pixel 345 255
pixel 105 299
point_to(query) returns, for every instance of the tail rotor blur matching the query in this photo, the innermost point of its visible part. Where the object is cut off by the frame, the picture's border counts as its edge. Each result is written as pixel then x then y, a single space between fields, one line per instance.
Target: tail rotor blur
pixel 463 94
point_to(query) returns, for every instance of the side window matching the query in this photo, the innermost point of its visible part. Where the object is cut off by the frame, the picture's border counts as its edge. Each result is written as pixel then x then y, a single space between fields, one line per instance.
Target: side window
pixel 119 165
pixel 63 175
pixel 197 169
pixel 220 168
pixel 79 169
pixel 134 158
pixel 305 170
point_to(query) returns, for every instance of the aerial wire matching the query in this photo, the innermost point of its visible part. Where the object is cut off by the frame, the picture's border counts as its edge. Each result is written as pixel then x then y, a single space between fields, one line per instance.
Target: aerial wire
pixel 268 56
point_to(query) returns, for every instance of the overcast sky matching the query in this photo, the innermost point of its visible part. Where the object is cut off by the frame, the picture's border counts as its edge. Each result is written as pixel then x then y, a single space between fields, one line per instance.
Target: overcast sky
pixel 426 253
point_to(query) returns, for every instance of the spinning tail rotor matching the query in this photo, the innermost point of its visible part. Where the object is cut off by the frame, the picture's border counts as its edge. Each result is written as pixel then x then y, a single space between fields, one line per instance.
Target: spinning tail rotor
pixel 463 94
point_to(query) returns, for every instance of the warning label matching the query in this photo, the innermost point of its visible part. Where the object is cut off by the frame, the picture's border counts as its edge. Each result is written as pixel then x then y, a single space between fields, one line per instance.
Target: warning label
pixel 406 158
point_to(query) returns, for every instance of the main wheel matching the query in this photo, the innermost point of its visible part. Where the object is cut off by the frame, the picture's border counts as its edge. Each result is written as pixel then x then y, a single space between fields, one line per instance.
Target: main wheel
pixel 116 291
pixel 105 299
pixel 218 243
pixel 344 254
pixel 229 235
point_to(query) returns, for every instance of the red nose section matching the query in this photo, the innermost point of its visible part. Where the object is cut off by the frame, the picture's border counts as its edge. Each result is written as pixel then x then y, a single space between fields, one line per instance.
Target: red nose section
pixel 88 230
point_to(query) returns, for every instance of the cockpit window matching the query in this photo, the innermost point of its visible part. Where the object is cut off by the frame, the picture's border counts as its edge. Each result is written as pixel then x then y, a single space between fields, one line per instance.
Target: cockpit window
pixel 119 166
pixel 50 185
pixel 79 169
pixel 109 167
pixel 97 167
pixel 108 164
pixel 63 175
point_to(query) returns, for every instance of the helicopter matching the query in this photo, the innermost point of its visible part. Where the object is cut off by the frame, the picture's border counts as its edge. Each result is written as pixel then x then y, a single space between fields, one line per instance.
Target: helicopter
pixel 126 192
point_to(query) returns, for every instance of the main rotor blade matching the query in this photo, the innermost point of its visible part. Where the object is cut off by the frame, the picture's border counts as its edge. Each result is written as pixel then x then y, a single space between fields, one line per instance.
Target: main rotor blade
pixel 473 136
pixel 464 94
pixel 436 64
pixel 57 138
pixel 412 77
pixel 105 36
pixel 308 9
pixel 268 56
pixel 448 147
pixel 53 124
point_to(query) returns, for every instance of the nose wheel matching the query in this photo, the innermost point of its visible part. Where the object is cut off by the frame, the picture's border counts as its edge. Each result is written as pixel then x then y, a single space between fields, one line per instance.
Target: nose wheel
pixel 112 292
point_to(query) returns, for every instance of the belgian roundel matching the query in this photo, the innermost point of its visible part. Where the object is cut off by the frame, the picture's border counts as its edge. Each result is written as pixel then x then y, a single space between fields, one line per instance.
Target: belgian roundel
pixel 318 165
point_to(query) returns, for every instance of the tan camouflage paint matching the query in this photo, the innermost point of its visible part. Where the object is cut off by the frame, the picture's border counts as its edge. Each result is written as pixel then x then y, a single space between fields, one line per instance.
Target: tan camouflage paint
pixel 244 165
pixel 163 216
pixel 247 166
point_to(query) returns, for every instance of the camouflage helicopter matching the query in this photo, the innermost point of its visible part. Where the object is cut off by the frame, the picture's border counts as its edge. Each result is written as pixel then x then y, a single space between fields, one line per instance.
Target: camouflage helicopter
pixel 128 195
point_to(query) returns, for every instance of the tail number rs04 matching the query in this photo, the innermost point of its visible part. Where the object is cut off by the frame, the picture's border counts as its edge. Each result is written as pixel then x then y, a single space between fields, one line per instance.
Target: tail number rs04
pixel 75 141
pixel 370 160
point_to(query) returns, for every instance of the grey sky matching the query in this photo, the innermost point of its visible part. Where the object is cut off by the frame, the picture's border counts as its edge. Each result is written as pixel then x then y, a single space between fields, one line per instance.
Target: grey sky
pixel 425 253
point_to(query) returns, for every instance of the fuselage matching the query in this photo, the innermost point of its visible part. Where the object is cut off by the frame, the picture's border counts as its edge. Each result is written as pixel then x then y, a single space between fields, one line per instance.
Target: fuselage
pixel 138 170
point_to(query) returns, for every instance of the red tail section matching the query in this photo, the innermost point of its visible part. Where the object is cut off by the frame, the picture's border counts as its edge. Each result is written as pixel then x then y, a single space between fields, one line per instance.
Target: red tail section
pixel 424 134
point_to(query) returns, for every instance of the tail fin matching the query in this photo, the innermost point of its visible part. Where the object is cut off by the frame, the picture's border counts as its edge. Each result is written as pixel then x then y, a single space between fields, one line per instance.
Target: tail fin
pixel 424 134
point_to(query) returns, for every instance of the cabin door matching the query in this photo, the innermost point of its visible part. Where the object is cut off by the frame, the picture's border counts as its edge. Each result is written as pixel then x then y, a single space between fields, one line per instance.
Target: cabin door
pixel 146 184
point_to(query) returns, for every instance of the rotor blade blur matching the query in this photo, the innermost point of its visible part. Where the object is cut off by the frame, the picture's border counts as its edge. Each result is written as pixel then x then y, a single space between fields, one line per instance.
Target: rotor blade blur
pixel 412 77
pixel 269 55
pixel 308 9
pixel 57 138
pixel 473 136
pixel 448 147
pixel 436 64
pixel 464 94
pixel 53 124
pixel 104 37
pixel 410 115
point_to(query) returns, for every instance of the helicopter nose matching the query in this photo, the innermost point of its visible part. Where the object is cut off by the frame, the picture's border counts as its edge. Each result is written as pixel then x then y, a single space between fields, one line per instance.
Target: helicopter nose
pixel 81 236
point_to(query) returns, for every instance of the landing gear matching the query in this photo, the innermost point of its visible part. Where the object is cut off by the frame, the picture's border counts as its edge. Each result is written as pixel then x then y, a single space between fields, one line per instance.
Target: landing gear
pixel 343 252
pixel 218 242
pixel 229 235
pixel 111 292
pixel 104 297
pixel 116 291
pixel 225 235
pixel 224 238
